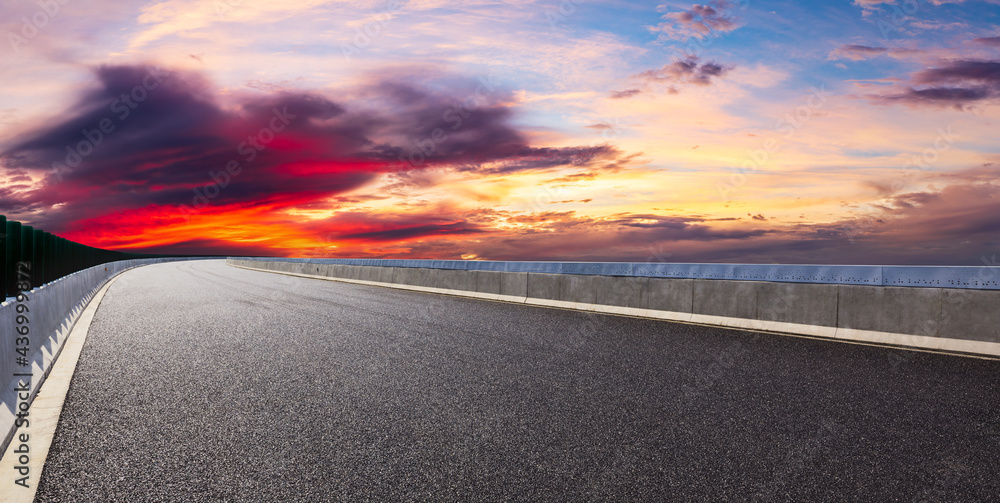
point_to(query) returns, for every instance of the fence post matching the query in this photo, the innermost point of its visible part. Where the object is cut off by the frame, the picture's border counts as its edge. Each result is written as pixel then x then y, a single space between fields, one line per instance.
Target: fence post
pixel 28 250
pixel 13 256
pixel 37 259
pixel 4 263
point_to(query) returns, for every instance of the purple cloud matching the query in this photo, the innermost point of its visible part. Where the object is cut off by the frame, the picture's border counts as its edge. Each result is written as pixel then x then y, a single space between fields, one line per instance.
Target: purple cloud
pixel 686 71
pixel 700 21
pixel 857 52
pixel 958 84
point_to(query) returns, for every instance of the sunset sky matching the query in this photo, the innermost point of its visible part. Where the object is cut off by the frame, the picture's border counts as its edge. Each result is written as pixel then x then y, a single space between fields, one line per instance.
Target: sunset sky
pixel 824 132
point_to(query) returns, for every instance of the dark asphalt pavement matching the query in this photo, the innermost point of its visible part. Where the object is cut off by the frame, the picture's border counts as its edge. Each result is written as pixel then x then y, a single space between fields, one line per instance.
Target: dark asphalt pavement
pixel 204 382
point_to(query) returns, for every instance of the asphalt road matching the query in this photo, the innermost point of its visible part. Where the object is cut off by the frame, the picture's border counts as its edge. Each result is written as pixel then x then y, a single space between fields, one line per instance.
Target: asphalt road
pixel 202 382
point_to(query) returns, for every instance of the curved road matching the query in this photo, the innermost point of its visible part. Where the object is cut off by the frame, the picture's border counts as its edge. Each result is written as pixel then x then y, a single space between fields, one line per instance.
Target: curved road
pixel 201 382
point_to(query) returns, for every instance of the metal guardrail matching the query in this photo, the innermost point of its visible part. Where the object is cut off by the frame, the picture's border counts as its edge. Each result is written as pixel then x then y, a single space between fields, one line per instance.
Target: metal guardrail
pixel 970 277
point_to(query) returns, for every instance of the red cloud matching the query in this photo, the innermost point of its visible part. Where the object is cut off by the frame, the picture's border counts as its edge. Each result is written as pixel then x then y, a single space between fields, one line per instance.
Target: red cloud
pixel 151 143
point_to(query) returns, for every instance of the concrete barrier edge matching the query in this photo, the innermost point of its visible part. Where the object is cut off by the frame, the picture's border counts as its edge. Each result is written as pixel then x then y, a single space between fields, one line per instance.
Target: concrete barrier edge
pixel 780 327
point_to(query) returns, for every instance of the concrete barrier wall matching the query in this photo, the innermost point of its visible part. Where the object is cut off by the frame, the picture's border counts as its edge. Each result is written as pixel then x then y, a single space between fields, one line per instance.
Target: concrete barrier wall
pixel 972 277
pixel 52 311
pixel 955 319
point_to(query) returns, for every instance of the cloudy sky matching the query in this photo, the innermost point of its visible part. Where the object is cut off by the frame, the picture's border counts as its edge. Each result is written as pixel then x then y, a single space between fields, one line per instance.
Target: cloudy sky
pixel 752 131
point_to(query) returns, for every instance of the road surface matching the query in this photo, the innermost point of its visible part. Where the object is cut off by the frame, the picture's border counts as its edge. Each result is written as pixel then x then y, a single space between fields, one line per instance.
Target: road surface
pixel 200 381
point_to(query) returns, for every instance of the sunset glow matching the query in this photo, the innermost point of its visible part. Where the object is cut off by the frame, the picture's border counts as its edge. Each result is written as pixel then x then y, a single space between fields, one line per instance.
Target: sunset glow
pixel 735 131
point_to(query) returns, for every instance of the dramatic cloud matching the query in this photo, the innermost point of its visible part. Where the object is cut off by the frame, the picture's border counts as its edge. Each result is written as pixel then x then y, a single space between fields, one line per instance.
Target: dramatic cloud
pixel 529 158
pixel 363 227
pixel 957 84
pixel 484 130
pixel 686 71
pixel 869 6
pixel 628 93
pixel 147 138
pixel 958 225
pixel 17 175
pixel 990 41
pixel 961 72
pixel 874 3
pixel 700 21
pixel 857 52
pixel 863 52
